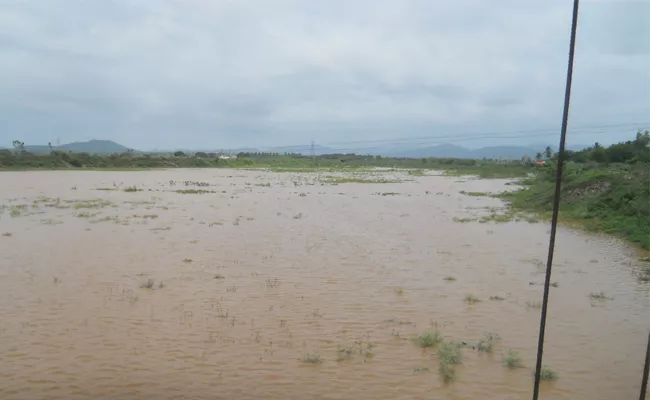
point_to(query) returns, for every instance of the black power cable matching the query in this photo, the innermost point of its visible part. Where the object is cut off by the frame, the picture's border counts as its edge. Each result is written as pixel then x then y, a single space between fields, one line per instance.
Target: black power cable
pixel 556 200
pixel 646 369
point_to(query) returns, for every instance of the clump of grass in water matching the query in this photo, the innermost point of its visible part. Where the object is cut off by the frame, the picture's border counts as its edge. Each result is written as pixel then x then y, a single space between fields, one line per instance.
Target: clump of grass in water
pixel 337 180
pixel 484 345
pixel 428 339
pixel 497 298
pixel 450 353
pixel 148 284
pixel 449 278
pixel 471 299
pixel 345 353
pixel 499 218
pixel 644 275
pixel 132 189
pixel 312 358
pixel 416 172
pixel 92 204
pixel 107 218
pixel 399 291
pixel 513 360
pixel 146 216
pixel 85 215
pixel 194 191
pixel 600 296
pixel 547 374
pixel 450 356
pixel 360 347
pixel 475 194
pixel 533 304
pixel 187 260
pixel 271 283
pixel 492 336
pixel 447 372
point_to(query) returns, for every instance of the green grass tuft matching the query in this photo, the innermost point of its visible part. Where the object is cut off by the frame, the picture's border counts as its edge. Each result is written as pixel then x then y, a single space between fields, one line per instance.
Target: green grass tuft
pixel 513 360
pixel 547 374
pixel 600 296
pixel 449 356
pixel 312 358
pixel 194 191
pixel 474 194
pixel 335 180
pixel 428 339
pixel 471 299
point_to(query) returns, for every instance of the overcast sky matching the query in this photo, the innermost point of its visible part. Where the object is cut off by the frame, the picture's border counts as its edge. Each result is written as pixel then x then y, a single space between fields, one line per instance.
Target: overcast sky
pixel 216 73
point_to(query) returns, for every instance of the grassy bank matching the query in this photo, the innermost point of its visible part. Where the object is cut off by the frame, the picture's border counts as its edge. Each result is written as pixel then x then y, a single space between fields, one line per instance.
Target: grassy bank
pixel 609 198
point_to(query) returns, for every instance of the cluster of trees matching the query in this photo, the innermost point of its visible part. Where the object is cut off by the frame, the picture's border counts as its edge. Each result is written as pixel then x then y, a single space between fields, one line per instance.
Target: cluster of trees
pixel 629 152
pixel 19 159
pixel 247 154
pixel 546 155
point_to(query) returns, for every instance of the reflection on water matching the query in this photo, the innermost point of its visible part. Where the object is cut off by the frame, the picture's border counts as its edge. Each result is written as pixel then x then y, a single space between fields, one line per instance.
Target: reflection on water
pixel 263 269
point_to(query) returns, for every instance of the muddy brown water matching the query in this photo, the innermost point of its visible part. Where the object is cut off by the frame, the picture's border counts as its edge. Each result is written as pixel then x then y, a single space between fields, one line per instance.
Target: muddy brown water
pixel 303 267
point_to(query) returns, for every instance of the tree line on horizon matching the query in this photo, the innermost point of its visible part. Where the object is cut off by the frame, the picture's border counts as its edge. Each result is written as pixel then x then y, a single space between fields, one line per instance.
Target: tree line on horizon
pixel 629 152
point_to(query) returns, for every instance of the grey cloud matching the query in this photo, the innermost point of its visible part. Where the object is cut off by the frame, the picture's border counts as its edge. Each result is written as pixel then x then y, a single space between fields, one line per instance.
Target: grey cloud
pixel 225 73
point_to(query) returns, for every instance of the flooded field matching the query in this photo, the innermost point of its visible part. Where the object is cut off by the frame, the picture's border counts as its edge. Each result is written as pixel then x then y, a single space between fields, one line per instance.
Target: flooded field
pixel 228 284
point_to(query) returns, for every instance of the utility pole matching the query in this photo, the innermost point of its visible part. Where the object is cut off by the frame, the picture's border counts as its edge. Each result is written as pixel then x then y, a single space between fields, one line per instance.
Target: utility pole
pixel 312 152
pixel 556 200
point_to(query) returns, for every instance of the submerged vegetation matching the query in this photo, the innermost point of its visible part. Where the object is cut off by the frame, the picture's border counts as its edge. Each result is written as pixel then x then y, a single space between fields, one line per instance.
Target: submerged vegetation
pixel 547 374
pixel 312 358
pixel 449 356
pixel 471 299
pixel 513 360
pixel 604 189
pixel 428 339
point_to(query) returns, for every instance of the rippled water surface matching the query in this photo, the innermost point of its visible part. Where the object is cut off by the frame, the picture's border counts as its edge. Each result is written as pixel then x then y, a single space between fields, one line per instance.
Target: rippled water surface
pixel 267 268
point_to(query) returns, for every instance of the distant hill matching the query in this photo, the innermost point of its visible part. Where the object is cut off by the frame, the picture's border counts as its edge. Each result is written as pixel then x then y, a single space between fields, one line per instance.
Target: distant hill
pixel 454 151
pixel 91 146
pixel 438 151
pixel 94 146
pixel 506 152
pixel 304 149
